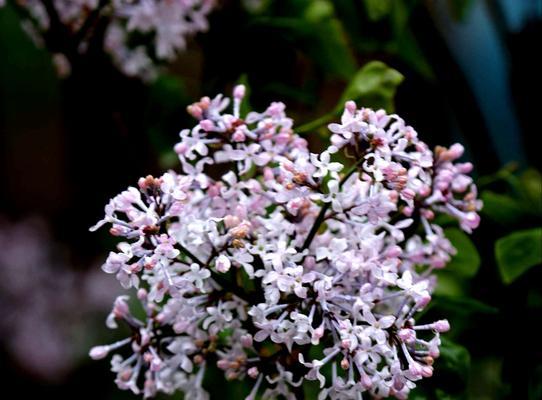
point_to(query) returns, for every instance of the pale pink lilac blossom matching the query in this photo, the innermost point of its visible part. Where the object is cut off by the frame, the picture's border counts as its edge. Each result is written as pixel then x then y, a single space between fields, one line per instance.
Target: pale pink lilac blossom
pixel 49 310
pixel 286 254
pixel 165 25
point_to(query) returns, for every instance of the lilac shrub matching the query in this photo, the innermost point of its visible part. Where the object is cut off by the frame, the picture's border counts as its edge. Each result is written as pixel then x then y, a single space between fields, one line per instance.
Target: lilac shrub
pixel 278 265
pixel 164 25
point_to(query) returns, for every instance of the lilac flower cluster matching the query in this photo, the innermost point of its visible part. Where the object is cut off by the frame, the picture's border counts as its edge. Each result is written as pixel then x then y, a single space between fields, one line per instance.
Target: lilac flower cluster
pixel 165 25
pixel 278 265
pixel 41 292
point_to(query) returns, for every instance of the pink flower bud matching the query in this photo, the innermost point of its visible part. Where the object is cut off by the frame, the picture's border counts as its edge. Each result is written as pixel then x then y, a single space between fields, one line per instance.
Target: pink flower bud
pixel 350 106
pixel 309 263
pixel 99 352
pixel 238 136
pixel 423 301
pixel 180 148
pixel 239 91
pixel 415 369
pixel 407 335
pixel 268 174
pixel 398 383
pixel 366 382
pixel 246 340
pixel 195 111
pixel 222 264
pixel 231 220
pixel 142 294
pixel 207 125
pixel 442 326
pixel 426 371
pixel 253 372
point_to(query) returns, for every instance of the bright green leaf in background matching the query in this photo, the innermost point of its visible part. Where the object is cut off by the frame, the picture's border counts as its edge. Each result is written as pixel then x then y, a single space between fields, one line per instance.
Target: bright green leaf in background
pixel 462 305
pixel 373 86
pixel 531 183
pixel 467 260
pixel 378 9
pixel 501 208
pixel 454 358
pixel 518 252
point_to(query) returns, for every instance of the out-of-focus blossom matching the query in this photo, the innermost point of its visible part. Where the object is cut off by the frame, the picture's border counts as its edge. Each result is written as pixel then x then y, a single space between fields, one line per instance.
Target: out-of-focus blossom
pixel 139 35
pixel 47 307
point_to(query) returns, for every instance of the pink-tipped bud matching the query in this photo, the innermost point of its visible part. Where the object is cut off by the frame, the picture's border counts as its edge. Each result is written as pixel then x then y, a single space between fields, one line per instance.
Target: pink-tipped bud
pixel 98 352
pixel 239 91
pixel 268 174
pixel 309 263
pixel 465 168
pixel 223 264
pixel 253 372
pixel 156 364
pixel 423 301
pixel 246 340
pixel 142 294
pixel 427 371
pixel 456 151
pixel 428 214
pixel 345 343
pixel 415 369
pixel 366 382
pixel 407 335
pixel 238 136
pixel 223 364
pixel 350 106
pixel 231 220
pixel 345 364
pixel 180 148
pixel 434 352
pixel 425 191
pixel 442 326
pixel 398 383
pixel 393 252
pixel 207 125
pixel 408 194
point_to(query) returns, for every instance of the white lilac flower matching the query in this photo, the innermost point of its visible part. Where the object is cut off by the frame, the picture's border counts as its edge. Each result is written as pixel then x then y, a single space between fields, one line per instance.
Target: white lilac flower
pixel 167 24
pixel 287 254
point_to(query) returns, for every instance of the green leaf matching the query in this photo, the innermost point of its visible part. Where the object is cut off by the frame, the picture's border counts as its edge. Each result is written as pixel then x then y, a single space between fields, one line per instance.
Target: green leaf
pixel 318 10
pixel 320 36
pixel 374 85
pixel 245 104
pixel 454 358
pixel 531 182
pixel 168 91
pixel 467 260
pixel 501 208
pixel 462 305
pixel 518 252
pixel 449 283
pixel 378 9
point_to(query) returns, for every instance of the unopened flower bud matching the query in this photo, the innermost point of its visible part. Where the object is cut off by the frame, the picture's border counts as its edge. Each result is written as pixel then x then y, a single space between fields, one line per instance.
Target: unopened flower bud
pixel 442 326
pixel 253 372
pixel 99 352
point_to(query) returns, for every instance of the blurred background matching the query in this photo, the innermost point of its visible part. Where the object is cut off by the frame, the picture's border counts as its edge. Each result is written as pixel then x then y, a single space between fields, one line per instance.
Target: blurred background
pixel 457 70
